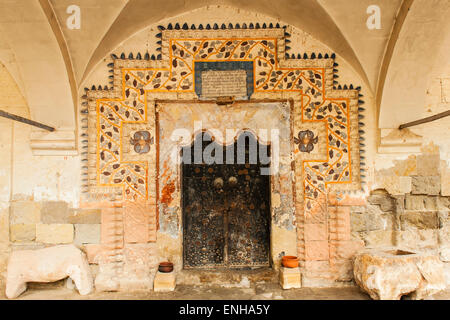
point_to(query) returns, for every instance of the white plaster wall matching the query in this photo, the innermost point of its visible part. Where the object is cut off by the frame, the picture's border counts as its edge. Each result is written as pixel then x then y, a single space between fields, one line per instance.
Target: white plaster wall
pixel 437 100
pixel 22 175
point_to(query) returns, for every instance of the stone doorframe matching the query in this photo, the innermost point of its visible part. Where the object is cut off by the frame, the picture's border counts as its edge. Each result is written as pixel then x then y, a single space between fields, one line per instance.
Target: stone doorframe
pixel 282 228
pixel 117 172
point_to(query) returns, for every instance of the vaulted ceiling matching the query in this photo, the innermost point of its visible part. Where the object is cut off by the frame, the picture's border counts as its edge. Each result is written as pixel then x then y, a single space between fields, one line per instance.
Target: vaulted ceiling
pixel 50 62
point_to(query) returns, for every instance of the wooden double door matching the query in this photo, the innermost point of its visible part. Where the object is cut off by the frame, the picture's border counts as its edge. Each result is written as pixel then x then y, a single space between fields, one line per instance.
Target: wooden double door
pixel 226 208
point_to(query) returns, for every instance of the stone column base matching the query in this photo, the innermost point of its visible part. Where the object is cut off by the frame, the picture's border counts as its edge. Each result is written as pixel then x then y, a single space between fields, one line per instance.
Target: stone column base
pixel 290 278
pixel 164 282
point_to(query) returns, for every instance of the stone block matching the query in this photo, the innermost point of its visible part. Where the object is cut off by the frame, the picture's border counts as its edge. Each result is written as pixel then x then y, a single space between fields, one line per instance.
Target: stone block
pixel 443 203
pixel 4 225
pixel 290 278
pixel 425 202
pixel 93 252
pixel 419 220
pixel 414 202
pixel 22 232
pixel 375 221
pixel 314 269
pixel 447 273
pixel 444 254
pixel 428 165
pixel 445 179
pixel 415 238
pixel 343 270
pixel 55 212
pixel 112 226
pixel 391 273
pixel 395 185
pixel 131 282
pixel 27 246
pixel 316 232
pixel 106 279
pixel 85 216
pixel 378 238
pixel 54 233
pixel 137 219
pixel 345 250
pixel 87 233
pixel 357 222
pixel 386 202
pixel 404 186
pixel 346 199
pixel 444 235
pixel 316 250
pixel 443 217
pixel 339 223
pixel 140 258
pixel 24 212
pixel 164 282
pixel 431 203
pixel 430 185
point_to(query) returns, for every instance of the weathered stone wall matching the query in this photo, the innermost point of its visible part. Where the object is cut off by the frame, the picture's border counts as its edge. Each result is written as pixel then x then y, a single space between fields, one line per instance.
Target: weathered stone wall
pixel 408 207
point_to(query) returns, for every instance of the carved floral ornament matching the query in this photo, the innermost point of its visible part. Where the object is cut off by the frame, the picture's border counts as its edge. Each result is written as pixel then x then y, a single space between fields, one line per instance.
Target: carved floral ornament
pixel 142 140
pixel 306 141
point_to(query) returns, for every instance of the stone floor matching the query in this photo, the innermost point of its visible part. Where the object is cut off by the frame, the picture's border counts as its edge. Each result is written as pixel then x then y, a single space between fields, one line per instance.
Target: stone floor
pixel 265 291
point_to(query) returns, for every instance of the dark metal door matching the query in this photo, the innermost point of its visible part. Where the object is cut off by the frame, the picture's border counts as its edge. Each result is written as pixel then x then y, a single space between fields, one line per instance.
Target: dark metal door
pixel 226 210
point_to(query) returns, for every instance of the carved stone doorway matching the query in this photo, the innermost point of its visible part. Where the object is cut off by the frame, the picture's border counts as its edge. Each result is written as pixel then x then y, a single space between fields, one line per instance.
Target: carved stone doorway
pixel 226 206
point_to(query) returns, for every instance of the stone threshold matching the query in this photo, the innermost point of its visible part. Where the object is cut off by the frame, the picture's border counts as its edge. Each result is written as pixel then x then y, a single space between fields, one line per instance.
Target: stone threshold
pixel 227 277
